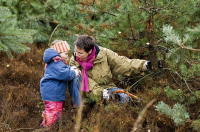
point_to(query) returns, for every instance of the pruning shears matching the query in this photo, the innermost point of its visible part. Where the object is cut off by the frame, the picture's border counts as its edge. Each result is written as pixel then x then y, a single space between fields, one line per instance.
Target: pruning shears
pixel 131 95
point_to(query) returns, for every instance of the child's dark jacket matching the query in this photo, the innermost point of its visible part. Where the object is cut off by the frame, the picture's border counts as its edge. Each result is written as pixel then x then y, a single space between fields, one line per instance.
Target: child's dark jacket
pixel 54 83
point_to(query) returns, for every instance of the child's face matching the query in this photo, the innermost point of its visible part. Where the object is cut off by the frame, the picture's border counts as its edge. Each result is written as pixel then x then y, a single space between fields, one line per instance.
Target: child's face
pixel 64 55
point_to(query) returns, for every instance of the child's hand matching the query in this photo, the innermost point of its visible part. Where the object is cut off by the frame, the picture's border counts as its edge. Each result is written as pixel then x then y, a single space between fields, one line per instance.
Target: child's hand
pixel 73 68
pixel 79 72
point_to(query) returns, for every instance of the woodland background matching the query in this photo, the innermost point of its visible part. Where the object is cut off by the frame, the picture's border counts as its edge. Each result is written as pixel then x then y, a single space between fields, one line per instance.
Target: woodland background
pixel 154 30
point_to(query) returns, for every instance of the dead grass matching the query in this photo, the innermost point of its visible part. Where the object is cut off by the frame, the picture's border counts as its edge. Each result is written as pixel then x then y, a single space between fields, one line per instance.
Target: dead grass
pixel 21 104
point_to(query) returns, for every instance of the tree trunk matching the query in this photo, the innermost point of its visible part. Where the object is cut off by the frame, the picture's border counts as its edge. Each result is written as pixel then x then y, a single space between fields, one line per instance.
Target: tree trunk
pixel 150 35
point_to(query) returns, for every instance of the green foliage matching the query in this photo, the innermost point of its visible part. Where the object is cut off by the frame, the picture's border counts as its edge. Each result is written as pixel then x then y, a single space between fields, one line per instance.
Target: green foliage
pixel 157 90
pixel 123 26
pixel 182 51
pixel 191 99
pixel 175 94
pixel 197 94
pixel 196 125
pixel 180 95
pixel 93 98
pixel 177 113
pixel 11 37
pixel 51 19
pixel 119 77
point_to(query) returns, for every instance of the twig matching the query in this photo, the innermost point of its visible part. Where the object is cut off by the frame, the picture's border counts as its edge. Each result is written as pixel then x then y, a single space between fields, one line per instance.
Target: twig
pixel 18 129
pixel 93 2
pixel 130 26
pixel 140 117
pixel 138 81
pixel 53 33
pixel 42 129
pixel 174 52
pixel 47 3
pixel 195 30
pixel 108 13
pixel 159 41
pixel 88 2
pixel 185 82
pixel 174 79
pixel 141 79
pixel 79 115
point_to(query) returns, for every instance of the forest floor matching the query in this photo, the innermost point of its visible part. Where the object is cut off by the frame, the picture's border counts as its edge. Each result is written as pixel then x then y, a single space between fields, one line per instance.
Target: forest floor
pixel 21 105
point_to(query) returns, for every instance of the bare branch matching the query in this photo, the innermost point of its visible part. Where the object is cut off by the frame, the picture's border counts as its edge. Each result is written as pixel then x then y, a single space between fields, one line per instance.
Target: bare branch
pixel 140 117
pixel 53 33
pixel 130 26
pixel 109 13
pixel 159 41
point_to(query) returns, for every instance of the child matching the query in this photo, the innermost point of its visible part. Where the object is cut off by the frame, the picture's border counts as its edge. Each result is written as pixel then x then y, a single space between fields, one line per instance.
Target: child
pixel 54 83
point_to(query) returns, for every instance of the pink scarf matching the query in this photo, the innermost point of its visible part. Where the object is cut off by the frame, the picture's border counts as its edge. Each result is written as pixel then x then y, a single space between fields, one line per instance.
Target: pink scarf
pixel 88 64
pixel 55 59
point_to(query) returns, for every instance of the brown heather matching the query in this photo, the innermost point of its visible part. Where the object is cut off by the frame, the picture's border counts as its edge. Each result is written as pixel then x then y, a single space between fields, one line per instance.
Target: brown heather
pixel 21 104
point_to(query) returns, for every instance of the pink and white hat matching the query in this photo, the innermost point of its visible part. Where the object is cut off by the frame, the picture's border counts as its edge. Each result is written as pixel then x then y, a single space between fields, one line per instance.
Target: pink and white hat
pixel 61 46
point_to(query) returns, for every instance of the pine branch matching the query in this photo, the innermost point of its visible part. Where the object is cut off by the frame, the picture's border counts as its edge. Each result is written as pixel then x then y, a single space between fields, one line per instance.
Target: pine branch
pixel 181 45
pixel 178 113
pixel 11 37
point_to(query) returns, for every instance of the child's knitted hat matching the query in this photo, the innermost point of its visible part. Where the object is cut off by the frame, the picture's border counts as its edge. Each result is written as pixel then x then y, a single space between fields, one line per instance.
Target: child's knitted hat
pixel 60 46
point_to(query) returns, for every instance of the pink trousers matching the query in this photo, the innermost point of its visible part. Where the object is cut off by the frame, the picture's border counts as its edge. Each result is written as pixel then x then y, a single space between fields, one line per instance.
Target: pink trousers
pixel 51 113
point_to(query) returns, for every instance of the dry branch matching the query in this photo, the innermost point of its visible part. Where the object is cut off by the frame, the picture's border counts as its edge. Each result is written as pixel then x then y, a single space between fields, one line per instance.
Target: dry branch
pixel 140 117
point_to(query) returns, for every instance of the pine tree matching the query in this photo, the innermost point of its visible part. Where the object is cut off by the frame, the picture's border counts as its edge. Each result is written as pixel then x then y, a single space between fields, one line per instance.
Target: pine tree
pixel 11 37
pixel 116 24
pixel 50 18
pixel 149 29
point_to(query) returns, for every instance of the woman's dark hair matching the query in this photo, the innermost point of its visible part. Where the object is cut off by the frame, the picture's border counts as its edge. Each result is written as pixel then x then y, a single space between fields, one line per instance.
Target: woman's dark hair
pixel 84 42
